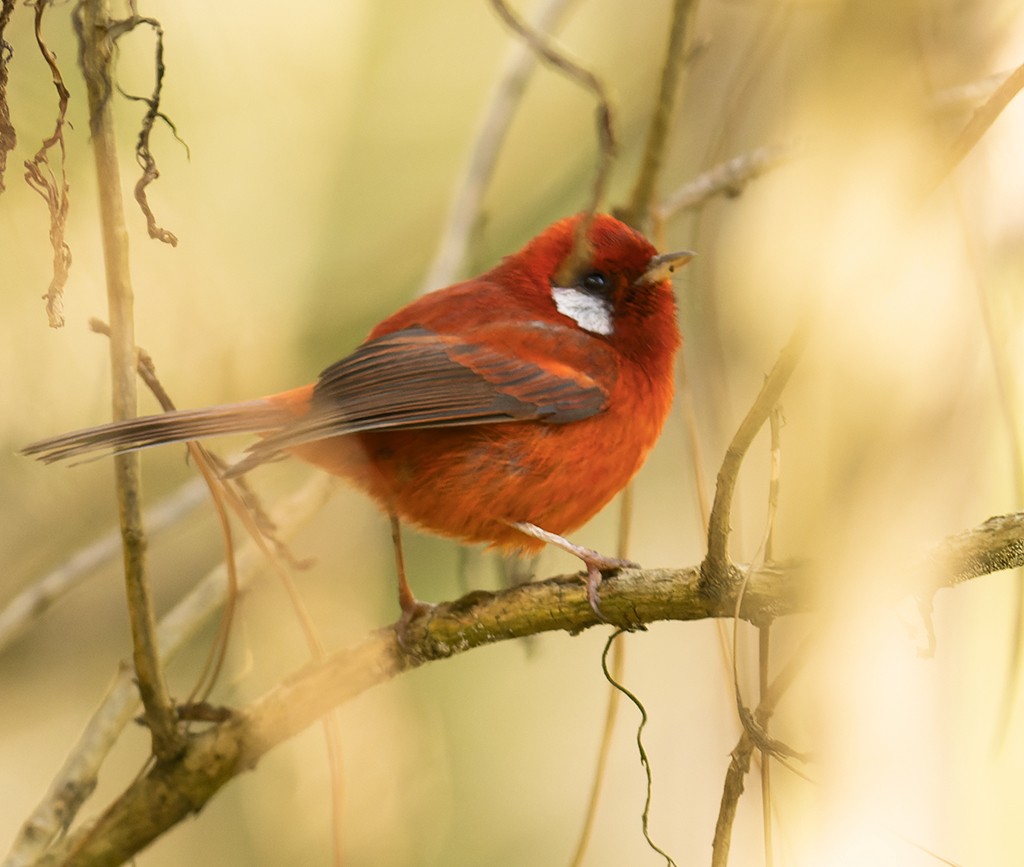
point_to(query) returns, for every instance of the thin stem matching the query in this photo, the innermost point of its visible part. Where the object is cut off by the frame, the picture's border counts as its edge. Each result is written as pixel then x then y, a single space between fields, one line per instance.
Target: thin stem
pixel 557 58
pixel 741 754
pixel 979 124
pixel 617 667
pixel 718 526
pixel 488 140
pixel 764 648
pixel 93 19
pixel 676 57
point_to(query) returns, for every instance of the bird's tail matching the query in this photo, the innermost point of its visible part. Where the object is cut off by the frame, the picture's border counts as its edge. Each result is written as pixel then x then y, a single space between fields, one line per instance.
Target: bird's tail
pixel 253 416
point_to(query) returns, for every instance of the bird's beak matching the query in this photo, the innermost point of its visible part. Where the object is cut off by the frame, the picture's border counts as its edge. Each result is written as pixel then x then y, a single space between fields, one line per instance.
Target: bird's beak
pixel 661 267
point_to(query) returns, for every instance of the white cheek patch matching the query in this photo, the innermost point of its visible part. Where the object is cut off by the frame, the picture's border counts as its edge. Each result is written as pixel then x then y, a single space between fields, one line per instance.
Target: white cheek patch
pixel 590 312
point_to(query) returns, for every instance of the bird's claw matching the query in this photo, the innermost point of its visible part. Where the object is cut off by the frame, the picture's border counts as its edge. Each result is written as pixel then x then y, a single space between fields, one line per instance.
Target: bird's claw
pixel 411 612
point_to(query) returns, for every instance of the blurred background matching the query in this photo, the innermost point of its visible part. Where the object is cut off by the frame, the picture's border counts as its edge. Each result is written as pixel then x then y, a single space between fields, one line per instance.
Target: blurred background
pixel 325 142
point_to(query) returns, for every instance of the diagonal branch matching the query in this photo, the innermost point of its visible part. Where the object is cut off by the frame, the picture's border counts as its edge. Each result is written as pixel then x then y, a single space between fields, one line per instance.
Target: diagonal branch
pixel 984 116
pixel 77 777
pixel 716 564
pixel 30 604
pixel 490 136
pixel 729 178
pixel 170 791
pixel 676 58
pixel 556 57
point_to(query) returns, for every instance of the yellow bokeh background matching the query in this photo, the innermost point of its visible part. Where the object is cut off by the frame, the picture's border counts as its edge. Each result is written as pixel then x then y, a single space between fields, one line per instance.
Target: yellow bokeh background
pixel 325 141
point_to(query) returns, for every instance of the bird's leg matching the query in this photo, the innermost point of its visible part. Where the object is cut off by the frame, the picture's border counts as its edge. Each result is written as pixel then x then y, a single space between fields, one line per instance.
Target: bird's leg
pixel 594 561
pixel 410 605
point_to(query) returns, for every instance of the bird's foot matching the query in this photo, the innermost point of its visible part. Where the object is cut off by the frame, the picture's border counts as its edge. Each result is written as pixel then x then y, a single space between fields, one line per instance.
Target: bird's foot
pixel 595 562
pixel 412 610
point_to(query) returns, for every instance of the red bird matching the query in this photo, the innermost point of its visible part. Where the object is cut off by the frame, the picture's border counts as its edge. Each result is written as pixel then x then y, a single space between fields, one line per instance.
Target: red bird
pixel 507 409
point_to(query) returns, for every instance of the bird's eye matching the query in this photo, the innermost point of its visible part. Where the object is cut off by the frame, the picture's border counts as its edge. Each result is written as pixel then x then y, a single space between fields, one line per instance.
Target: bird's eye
pixel 595 281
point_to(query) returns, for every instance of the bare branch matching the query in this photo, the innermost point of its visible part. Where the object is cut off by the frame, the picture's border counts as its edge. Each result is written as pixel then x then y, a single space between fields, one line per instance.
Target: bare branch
pixel 727 179
pixel 35 600
pixel 77 778
pixel 501 106
pixel 93 24
pixel 739 764
pixel 558 59
pixel 979 123
pixel 172 790
pixel 717 561
pixel 676 58
pixel 990 547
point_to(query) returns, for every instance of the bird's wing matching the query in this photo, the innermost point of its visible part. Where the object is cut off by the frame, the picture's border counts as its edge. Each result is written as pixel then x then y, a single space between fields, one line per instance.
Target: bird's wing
pixel 415 378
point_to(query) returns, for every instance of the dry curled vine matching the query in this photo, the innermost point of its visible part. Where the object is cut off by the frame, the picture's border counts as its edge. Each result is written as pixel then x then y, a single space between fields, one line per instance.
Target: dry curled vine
pixel 143 154
pixel 8 137
pixel 40 177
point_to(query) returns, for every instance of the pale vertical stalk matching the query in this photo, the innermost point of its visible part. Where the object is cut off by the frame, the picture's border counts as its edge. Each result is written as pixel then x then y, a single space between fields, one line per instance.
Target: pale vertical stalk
pixel 93 19
pixel 490 136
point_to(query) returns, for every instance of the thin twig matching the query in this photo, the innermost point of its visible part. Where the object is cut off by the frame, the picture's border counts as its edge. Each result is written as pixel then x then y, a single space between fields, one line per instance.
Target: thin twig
pixel 727 179
pixel 93 23
pixel 764 633
pixel 618 664
pixel 34 601
pixel 559 60
pixel 717 560
pixel 645 816
pixel 978 125
pixel 763 657
pixel 464 213
pixel 676 58
pixel 739 764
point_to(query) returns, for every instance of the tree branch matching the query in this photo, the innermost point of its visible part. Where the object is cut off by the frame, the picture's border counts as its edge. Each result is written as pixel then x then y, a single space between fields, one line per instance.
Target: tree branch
pixel 77 777
pixel 490 136
pixel 716 563
pixel 676 57
pixel 93 23
pixel 35 600
pixel 172 790
pixel 984 116
pixel 727 179
pixel 558 59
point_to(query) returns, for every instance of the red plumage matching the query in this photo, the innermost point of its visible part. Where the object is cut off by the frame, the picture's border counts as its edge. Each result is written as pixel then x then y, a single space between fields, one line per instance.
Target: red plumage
pixel 506 399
